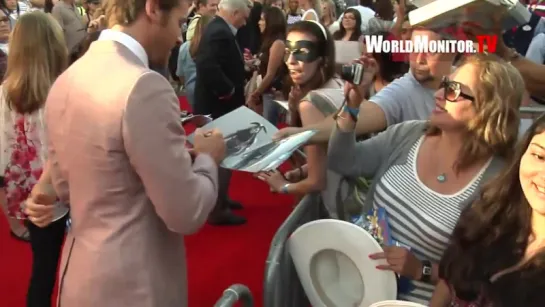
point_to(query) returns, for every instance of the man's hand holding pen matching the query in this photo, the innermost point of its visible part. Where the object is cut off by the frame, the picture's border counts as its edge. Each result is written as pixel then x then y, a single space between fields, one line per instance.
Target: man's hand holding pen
pixel 209 142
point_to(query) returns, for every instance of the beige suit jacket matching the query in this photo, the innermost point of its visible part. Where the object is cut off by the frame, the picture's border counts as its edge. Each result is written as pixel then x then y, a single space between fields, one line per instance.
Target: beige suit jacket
pixel 118 156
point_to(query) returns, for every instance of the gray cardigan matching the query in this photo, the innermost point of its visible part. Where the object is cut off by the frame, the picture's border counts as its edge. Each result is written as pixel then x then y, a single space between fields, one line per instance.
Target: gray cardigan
pixel 373 157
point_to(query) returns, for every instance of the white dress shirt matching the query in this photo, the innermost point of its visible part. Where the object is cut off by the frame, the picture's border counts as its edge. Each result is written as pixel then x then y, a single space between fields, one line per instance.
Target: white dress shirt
pixel 127 41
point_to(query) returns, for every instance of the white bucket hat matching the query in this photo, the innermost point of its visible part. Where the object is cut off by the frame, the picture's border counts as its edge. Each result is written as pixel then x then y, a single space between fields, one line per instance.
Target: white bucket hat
pixel 331 258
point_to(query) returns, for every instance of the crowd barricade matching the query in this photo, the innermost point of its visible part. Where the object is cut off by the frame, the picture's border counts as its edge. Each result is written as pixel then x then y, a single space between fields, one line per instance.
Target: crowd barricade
pixel 235 293
pixel 282 287
pixel 532 112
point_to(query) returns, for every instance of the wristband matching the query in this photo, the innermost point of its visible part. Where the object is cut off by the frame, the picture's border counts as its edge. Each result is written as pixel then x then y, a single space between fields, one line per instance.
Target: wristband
pixel 426 271
pixel 352 111
pixel 284 189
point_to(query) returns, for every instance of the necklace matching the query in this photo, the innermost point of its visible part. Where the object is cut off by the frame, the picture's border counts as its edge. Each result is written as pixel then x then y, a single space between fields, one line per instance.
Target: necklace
pixel 441 178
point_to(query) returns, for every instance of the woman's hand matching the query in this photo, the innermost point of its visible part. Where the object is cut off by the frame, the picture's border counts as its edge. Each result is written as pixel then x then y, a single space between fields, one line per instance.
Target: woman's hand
pixel 401 261
pixel 248 55
pixel 98 24
pixel 296 175
pixel 253 101
pixel 274 178
pixel 400 9
pixel 472 30
pixel 286 132
pixel 39 207
pixel 356 93
pixel 294 98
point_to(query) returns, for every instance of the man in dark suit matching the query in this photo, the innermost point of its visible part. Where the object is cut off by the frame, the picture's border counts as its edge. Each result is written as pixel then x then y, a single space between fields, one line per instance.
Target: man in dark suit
pixel 219 88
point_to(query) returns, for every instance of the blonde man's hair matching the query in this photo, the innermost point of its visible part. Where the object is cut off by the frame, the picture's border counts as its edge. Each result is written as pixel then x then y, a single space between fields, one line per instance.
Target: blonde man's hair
pixel 498 96
pixel 37 56
pixel 125 12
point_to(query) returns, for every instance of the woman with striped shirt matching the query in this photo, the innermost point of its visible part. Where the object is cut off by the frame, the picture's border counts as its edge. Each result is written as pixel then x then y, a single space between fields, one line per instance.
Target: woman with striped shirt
pixel 426 172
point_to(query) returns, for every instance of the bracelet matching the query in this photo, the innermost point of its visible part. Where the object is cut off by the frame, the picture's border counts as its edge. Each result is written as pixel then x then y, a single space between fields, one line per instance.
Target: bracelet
pixel 353 112
pixel 284 189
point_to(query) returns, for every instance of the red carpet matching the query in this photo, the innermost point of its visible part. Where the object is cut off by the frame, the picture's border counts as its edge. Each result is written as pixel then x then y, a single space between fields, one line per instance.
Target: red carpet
pixel 216 257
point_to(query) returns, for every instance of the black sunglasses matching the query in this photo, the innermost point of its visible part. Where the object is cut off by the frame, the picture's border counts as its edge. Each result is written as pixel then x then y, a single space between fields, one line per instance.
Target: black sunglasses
pixel 452 90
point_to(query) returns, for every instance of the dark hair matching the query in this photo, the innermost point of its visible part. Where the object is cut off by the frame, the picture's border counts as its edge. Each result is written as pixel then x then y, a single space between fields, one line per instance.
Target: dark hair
pixel 384 9
pixel 389 70
pixel 275 27
pixel 48 6
pixel 367 3
pixel 492 235
pixel 339 34
pixel 200 3
pixel 268 3
pixel 327 44
pixel 125 12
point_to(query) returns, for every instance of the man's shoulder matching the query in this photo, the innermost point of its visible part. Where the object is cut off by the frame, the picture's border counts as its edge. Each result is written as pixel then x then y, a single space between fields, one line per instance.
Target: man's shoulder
pixel 59 6
pixel 149 82
pixel 217 29
pixel 216 23
pixel 403 85
pixel 124 78
pixel 212 28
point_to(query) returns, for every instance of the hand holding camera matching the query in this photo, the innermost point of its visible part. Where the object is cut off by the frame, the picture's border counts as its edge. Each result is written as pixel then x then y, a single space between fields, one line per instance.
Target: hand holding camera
pixel 210 142
pixel 359 77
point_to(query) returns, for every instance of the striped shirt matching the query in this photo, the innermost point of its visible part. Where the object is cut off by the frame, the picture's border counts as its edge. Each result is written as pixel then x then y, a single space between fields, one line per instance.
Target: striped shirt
pixel 420 217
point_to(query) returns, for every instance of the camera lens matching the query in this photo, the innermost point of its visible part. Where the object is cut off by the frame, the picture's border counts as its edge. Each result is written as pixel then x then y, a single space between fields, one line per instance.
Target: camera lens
pixel 347 72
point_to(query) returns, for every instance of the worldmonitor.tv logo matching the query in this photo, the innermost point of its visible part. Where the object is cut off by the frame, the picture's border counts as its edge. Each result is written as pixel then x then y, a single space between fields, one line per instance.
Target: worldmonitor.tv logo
pixel 422 44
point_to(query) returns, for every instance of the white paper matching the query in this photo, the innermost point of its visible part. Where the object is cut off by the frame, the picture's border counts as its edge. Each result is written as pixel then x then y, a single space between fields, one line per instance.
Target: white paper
pixel 248 138
pixel 284 104
pixel 347 52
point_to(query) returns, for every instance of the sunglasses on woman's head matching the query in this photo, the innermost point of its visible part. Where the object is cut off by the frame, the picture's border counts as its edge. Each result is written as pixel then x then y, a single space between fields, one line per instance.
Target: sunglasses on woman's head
pixel 452 90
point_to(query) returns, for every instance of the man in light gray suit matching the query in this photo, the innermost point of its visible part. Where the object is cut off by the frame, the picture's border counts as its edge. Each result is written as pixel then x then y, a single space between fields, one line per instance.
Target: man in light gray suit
pixel 117 154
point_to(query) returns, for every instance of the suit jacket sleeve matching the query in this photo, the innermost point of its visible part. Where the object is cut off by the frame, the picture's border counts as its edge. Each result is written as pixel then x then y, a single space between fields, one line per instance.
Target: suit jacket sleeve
pixel 208 61
pixel 182 193
pixel 57 178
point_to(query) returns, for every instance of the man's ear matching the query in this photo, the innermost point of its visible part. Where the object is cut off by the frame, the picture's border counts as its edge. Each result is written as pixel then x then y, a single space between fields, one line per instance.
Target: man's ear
pixel 152 11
